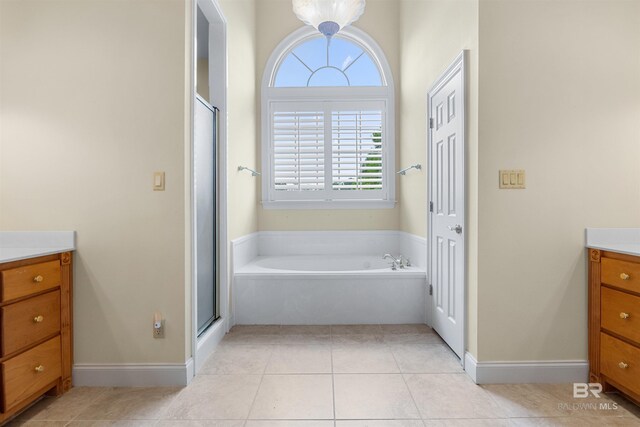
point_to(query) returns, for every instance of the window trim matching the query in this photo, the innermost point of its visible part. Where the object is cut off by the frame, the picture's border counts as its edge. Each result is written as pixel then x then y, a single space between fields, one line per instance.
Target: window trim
pixel 384 93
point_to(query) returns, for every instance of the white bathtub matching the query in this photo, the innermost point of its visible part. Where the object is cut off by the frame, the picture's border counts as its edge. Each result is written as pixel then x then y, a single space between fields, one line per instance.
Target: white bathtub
pixel 327 289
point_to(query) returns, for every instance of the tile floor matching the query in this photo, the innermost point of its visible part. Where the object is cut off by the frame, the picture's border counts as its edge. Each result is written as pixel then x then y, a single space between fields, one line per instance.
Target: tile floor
pixel 331 376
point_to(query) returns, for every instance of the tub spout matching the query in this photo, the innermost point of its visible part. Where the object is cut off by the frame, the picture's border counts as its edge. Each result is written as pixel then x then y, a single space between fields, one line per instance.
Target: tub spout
pixel 394 262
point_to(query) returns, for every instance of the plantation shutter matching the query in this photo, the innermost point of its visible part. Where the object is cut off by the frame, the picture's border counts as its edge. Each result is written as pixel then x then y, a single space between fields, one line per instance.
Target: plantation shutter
pixel 357 150
pixel 329 150
pixel 298 151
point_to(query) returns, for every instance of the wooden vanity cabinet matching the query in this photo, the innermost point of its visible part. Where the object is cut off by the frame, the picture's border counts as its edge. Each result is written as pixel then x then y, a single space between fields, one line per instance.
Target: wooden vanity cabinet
pixel 614 321
pixel 35 330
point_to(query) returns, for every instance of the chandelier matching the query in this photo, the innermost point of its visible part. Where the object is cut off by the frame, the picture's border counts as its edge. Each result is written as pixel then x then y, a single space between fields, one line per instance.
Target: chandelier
pixel 328 16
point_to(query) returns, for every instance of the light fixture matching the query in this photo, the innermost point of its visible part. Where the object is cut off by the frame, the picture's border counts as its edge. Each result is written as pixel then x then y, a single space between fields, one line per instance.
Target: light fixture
pixel 328 16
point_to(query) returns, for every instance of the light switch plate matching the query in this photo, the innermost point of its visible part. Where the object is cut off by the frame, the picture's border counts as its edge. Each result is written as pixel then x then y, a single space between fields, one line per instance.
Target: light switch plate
pixel 158 181
pixel 513 179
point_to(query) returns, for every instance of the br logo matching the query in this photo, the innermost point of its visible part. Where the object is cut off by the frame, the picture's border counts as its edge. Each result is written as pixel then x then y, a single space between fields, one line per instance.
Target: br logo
pixel 582 390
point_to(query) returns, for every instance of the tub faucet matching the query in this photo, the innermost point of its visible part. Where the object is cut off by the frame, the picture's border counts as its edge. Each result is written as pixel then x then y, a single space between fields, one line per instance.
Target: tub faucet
pixel 394 262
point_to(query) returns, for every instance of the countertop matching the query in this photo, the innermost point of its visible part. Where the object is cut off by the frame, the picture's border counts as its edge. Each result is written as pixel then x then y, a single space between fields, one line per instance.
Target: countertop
pixel 17 245
pixel 621 240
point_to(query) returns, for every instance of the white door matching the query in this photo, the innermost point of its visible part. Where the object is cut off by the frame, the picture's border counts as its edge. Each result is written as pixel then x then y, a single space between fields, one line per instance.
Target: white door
pixel 446 150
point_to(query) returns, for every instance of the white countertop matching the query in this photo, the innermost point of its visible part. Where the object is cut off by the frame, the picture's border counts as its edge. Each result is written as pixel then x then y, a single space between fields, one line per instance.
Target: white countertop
pixel 17 245
pixel 621 240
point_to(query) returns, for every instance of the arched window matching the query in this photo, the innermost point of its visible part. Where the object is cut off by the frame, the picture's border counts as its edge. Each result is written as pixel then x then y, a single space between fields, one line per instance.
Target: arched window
pixel 328 123
pixel 318 62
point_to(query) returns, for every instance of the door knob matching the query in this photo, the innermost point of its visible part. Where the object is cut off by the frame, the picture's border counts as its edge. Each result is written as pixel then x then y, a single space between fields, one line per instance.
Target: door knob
pixel 457 228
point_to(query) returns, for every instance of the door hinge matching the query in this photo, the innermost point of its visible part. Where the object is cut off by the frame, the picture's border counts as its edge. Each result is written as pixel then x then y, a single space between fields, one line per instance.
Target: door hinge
pixel 430 289
pixel 430 123
pixel 430 206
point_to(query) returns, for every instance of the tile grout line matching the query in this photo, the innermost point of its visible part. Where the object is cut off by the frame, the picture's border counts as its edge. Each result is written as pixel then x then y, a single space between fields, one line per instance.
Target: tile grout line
pixel 91 402
pixel 402 376
pixel 255 396
pixel 496 402
pixel 333 380
pixel 404 380
pixel 162 416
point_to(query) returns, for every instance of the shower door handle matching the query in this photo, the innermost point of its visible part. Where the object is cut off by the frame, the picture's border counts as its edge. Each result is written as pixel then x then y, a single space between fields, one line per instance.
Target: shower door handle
pixel 457 228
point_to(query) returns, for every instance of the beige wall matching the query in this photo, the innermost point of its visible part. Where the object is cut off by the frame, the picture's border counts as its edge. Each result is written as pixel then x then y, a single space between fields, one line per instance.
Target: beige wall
pixel 555 92
pixel 93 101
pixel 559 97
pixel 241 132
pixel 432 35
pixel 276 21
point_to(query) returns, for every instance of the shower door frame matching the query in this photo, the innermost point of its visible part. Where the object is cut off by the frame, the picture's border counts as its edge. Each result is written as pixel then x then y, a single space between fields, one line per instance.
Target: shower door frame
pixel 202 346
pixel 200 330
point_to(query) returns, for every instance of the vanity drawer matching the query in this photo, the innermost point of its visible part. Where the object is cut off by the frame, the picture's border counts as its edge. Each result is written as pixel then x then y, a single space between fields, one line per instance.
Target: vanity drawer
pixel 28 321
pixel 620 313
pixel 27 280
pixel 620 362
pixel 621 274
pixel 29 372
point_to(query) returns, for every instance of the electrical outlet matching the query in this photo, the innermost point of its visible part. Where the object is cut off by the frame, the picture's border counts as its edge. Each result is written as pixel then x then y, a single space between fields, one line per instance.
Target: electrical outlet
pixel 158 329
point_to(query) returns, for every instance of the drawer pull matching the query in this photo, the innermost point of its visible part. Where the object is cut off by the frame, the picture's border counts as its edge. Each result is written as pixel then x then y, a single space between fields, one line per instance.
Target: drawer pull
pixel 38 279
pixel 40 319
pixel 623 365
pixel 624 276
pixel 39 368
pixel 624 315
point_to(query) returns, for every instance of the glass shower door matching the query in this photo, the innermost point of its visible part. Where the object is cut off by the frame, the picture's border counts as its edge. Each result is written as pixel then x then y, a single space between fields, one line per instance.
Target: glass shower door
pixel 204 165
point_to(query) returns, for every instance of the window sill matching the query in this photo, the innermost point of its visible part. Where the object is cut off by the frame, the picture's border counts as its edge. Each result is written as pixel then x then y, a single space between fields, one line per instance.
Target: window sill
pixel 329 204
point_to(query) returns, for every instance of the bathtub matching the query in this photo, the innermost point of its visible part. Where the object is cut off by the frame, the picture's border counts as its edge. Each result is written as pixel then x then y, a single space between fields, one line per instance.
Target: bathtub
pixel 327 289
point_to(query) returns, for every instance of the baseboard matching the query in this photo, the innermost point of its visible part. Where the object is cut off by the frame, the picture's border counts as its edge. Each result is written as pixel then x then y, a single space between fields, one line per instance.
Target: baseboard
pixel 208 342
pixel 152 374
pixel 133 374
pixel 191 371
pixel 546 371
pixel 470 364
